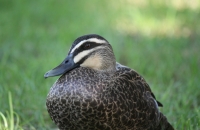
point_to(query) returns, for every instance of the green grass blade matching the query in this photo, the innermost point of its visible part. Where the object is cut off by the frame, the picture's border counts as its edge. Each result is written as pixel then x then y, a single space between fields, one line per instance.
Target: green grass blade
pixel 11 111
pixel 5 123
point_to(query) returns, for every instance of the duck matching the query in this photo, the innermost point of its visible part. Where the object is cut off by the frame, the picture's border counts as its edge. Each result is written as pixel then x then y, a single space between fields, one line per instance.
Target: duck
pixel 94 92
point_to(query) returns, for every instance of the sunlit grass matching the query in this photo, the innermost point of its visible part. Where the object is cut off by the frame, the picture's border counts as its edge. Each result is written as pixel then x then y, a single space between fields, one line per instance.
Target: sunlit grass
pixel 158 18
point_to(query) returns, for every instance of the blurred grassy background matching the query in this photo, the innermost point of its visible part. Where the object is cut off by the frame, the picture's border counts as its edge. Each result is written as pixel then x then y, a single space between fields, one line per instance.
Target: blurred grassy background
pixel 159 39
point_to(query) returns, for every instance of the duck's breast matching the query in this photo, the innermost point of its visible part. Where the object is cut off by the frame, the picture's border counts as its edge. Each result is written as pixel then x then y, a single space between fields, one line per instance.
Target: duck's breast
pixel 85 99
pixel 77 99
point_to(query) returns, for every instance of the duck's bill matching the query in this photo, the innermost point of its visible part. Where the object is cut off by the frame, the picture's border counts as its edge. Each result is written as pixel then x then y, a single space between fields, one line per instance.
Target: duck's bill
pixel 67 65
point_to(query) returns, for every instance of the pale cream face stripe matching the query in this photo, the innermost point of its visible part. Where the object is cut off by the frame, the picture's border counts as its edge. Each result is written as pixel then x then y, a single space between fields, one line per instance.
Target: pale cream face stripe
pixel 95 40
pixel 82 54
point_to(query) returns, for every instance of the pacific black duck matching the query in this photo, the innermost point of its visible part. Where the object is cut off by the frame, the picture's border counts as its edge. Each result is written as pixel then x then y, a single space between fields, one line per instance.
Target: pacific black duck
pixel 97 93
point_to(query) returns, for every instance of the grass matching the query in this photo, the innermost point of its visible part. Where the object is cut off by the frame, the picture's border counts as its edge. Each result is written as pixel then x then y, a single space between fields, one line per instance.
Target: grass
pixel 11 120
pixel 158 39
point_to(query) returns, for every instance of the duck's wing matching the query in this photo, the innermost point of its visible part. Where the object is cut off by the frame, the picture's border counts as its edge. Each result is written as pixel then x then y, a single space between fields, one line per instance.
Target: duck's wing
pixel 145 105
pixel 134 77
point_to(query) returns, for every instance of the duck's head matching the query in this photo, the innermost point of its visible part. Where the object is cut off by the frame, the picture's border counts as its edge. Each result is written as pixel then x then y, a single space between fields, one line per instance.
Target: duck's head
pixel 91 51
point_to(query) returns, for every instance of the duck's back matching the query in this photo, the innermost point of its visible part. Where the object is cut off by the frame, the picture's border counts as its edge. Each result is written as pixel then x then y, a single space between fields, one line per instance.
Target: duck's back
pixel 86 99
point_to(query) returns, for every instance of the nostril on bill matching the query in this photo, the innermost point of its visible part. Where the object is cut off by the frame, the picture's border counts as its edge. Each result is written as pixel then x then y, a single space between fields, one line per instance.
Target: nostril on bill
pixel 66 61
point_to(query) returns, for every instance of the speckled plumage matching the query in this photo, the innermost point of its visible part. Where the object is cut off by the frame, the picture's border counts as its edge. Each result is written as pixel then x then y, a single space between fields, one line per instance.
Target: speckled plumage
pixel 86 99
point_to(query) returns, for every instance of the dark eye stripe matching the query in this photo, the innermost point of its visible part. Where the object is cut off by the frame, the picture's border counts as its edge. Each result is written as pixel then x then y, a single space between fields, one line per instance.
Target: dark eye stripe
pixel 82 47
pixel 92 45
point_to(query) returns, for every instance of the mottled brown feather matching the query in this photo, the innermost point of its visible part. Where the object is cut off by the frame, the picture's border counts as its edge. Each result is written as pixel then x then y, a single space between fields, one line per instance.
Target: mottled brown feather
pixel 84 99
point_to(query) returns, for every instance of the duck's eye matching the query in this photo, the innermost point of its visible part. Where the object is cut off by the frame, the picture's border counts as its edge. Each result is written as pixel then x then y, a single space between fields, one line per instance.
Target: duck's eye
pixel 87 46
